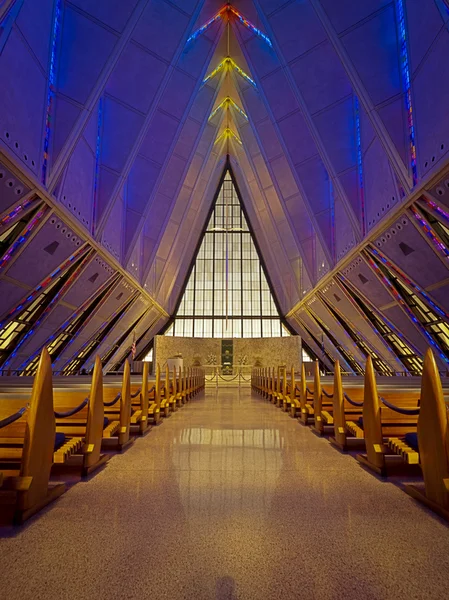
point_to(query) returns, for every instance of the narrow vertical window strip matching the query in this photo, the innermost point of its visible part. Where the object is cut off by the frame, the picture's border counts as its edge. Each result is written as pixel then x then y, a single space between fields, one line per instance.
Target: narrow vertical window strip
pixel 399 272
pixel 332 201
pixel 25 235
pixel 33 295
pixel 97 162
pixel 405 307
pixel 430 233
pixel 360 161
pixel 407 85
pixel 47 310
pixel 51 88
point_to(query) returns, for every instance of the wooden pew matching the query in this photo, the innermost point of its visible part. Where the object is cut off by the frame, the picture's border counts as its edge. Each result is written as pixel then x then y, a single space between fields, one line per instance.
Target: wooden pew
pixel 83 428
pixel 322 402
pixel 381 423
pixel 26 450
pixel 181 389
pixel 169 396
pixel 289 385
pixel 177 387
pixel 433 442
pixel 143 404
pixel 117 408
pixel 341 417
pixel 302 407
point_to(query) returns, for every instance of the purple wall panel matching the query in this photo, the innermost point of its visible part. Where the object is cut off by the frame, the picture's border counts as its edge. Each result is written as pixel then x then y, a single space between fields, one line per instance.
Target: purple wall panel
pixel 140 184
pixel 336 128
pixel 118 297
pixel 52 244
pixel 152 30
pixel 12 189
pixel 373 48
pixel 77 189
pixel 121 127
pixel 297 29
pixel 85 48
pixel 408 249
pixel 361 276
pixel 66 113
pixel 344 232
pixel 268 138
pixel 35 22
pixel 345 13
pixel 424 23
pixel 297 138
pixel 321 78
pixel 431 91
pixel 114 13
pixel 130 81
pixel 159 137
pixel 315 182
pixel 279 94
pixel 380 187
pixel 90 280
pixel 22 102
pixel 187 139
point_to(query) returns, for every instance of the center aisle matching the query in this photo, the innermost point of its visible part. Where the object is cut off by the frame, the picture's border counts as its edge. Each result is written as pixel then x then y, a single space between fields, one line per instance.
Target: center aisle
pixel 229 499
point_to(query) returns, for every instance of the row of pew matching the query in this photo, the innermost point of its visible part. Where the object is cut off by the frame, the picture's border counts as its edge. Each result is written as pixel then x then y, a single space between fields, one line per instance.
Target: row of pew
pixel 396 427
pixel 61 428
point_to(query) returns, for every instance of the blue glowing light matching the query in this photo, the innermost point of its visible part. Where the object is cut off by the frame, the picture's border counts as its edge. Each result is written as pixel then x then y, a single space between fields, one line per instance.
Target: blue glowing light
pixel 51 87
pixel 359 160
pixel 407 85
pixel 97 162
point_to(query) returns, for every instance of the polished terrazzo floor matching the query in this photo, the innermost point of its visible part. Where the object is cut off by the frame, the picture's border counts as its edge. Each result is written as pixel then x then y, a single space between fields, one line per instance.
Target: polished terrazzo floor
pixel 229 499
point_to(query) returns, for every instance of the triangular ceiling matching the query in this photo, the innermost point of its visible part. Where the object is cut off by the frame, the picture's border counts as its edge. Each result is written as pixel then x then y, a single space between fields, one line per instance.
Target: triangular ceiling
pixel 111 118
pixel 227 293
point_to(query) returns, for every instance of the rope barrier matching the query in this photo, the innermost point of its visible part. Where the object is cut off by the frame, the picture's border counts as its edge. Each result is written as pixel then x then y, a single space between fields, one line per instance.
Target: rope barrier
pixel 402 411
pixel 308 391
pixel 136 394
pixel 151 390
pixel 353 402
pixel 73 411
pixel 221 377
pixel 326 394
pixel 112 402
pixel 14 417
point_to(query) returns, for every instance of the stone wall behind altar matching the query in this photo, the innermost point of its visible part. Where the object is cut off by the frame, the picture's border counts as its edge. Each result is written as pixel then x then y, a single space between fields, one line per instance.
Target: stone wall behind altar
pixel 264 352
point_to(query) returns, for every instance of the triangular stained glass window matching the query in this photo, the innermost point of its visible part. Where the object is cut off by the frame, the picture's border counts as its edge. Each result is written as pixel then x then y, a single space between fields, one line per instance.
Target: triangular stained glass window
pixel 227 294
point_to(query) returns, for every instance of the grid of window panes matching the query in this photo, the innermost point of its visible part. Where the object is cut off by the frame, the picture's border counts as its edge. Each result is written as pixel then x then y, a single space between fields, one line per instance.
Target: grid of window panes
pixel 227 294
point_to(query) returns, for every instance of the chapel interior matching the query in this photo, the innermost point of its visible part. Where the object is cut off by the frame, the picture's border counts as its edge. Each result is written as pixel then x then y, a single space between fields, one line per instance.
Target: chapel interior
pixel 224 299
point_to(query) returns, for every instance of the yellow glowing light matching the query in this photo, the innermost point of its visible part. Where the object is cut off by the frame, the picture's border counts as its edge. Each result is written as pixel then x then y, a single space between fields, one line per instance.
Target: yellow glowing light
pixel 227 134
pixel 228 62
pixel 226 103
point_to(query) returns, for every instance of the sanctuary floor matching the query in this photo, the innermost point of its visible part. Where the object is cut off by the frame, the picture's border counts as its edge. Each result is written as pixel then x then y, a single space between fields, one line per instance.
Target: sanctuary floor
pixel 229 499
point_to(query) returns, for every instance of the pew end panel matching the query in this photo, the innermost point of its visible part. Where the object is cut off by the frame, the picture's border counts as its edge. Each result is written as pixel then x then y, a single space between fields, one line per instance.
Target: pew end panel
pixel 27 489
pixel 433 442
